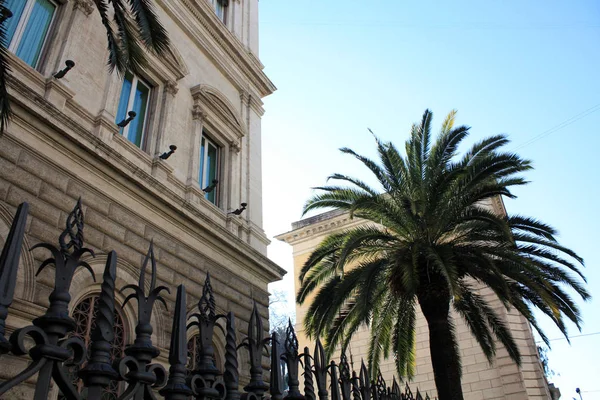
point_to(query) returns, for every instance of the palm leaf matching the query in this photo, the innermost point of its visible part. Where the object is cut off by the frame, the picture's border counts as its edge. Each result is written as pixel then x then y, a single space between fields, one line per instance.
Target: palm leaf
pixel 5 110
pixel 152 33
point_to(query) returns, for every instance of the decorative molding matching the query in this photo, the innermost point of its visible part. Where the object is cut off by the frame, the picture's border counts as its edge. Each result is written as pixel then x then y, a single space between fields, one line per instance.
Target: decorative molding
pixel 244 96
pixel 235 146
pixel 257 105
pixel 171 88
pixel 198 113
pixel 86 6
pixel 319 227
pixel 221 112
pixel 57 93
pixel 225 49
pixel 169 67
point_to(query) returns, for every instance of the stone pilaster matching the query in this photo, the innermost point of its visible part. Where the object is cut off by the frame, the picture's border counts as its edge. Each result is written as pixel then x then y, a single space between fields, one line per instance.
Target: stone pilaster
pixel 170 89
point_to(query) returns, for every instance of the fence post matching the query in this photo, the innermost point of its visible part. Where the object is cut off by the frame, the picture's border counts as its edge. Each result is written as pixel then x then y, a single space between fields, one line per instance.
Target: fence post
pixel 9 266
pixel 99 371
pixel 176 387
pixel 231 375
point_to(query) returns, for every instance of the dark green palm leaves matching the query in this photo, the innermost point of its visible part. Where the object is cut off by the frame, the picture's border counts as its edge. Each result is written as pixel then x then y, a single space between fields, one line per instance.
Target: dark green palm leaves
pixel 432 215
pixel 131 28
pixel 134 26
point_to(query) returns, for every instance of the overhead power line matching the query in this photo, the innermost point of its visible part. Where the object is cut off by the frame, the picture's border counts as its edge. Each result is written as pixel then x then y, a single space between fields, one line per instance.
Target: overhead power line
pixel 571 337
pixel 560 126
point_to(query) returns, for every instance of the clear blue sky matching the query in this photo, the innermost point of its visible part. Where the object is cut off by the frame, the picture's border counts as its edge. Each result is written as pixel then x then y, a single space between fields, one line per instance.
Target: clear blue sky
pixel 528 69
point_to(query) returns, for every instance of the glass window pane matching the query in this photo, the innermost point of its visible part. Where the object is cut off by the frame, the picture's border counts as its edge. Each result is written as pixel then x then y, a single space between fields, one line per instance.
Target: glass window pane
pixel 17 7
pixel 220 10
pixel 140 104
pixel 211 166
pixel 201 176
pixel 124 99
pixel 35 32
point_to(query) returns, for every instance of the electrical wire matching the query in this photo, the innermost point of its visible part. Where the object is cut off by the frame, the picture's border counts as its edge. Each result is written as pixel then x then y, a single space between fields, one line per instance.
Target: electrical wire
pixel 560 126
pixel 571 337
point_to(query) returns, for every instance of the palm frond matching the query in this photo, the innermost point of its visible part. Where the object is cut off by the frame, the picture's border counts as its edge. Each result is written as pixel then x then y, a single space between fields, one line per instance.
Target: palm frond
pixel 128 38
pixel 404 339
pixel 360 184
pixel 5 109
pixel 116 57
pixel 153 34
pixel 382 328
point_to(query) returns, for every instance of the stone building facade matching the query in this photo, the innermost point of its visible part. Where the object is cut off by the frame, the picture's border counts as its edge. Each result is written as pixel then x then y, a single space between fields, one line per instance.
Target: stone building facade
pixel 480 380
pixel 64 143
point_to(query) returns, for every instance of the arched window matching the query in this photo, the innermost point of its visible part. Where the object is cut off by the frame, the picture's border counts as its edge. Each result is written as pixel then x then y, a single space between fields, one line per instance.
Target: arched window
pixel 194 349
pixel 84 315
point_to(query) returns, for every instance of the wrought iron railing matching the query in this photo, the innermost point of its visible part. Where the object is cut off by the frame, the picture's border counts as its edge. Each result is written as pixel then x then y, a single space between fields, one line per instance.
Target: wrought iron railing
pixel 55 350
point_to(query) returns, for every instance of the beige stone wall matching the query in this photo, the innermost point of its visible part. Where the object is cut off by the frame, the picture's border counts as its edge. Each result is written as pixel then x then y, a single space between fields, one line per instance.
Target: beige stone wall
pixel 480 380
pixel 63 143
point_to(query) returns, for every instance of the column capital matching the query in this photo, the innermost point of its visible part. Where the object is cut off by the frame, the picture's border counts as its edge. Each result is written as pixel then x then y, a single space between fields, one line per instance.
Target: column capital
pixel 235 146
pixel 86 6
pixel 198 113
pixel 171 87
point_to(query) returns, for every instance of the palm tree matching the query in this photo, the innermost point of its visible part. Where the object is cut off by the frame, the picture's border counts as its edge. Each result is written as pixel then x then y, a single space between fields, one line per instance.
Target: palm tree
pixel 431 244
pixel 134 26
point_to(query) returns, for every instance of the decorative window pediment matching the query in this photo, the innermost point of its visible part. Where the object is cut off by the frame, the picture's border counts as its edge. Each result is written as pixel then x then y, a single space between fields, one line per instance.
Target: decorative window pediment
pixel 219 111
pixel 170 65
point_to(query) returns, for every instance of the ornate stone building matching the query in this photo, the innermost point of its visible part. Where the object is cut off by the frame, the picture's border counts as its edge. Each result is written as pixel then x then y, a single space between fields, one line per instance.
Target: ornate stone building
pixel 502 380
pixel 204 97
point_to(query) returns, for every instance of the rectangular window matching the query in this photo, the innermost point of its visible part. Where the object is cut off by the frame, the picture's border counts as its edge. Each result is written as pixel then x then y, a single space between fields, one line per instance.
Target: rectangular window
pixel 27 29
pixel 135 95
pixel 221 9
pixel 209 169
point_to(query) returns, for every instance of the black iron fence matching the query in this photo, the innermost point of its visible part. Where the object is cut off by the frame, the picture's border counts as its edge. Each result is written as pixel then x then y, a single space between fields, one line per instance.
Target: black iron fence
pixel 54 352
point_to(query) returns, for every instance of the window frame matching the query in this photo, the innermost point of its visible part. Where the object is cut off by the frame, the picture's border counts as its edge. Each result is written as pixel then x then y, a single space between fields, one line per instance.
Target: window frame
pixel 131 101
pixel 202 170
pixel 22 24
pixel 223 19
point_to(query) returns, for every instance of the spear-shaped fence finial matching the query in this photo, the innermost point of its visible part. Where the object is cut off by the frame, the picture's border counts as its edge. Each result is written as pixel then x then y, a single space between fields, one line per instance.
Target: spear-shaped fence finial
pixel 321 370
pixel 99 371
pixel 292 359
pixel 176 387
pixel 255 343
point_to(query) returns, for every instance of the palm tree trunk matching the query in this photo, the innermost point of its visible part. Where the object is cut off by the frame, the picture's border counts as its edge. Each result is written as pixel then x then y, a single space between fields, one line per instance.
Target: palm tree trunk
pixel 442 346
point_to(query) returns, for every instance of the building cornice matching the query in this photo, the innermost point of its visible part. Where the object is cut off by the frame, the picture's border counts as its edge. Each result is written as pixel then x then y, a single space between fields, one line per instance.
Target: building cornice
pixel 200 23
pixel 321 227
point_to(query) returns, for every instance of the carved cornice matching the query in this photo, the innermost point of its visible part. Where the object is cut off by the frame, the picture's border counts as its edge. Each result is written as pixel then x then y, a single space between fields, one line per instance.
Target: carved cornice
pixel 86 6
pixel 244 96
pixel 257 105
pixel 321 227
pixel 221 45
